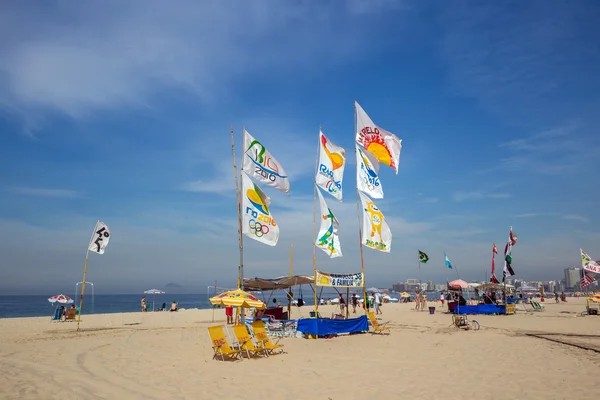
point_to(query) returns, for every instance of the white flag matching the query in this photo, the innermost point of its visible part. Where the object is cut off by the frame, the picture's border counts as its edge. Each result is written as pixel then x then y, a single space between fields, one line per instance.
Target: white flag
pixel 100 238
pixel 588 264
pixel 367 168
pixel 257 220
pixel 384 145
pixel 376 233
pixel 328 239
pixel 332 160
pixel 260 164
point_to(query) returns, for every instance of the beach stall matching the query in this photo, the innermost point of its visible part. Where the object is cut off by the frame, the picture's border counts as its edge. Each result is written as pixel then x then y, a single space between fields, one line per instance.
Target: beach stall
pixel 324 327
pixel 487 300
pixel 283 283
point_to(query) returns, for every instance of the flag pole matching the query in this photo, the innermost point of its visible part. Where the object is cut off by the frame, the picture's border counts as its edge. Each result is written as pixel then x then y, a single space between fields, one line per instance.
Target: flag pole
pixel 290 290
pixel 316 304
pixel 87 253
pixel 238 197
pixel 358 214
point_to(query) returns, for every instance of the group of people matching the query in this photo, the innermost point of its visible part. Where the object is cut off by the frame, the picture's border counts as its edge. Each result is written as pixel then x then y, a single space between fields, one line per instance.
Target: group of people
pixel 144 304
pixel 377 300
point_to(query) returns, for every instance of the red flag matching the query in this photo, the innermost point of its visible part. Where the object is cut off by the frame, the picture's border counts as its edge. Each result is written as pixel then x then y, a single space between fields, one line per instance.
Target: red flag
pixel 493 279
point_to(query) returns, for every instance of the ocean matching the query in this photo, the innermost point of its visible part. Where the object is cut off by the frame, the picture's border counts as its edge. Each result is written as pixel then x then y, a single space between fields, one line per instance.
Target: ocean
pixel 38 305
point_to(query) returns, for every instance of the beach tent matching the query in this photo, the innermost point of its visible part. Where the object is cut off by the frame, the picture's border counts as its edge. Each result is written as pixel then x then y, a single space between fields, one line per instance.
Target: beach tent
pixel 153 292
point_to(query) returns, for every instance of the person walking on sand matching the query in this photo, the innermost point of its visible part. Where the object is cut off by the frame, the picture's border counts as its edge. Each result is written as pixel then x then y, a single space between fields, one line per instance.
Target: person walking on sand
pixel 144 308
pixel 417 301
pixel 354 303
pixel 423 301
pixel 442 298
pixel 377 300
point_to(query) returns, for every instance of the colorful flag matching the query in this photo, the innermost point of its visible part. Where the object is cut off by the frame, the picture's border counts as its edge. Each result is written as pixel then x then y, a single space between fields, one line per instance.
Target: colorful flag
pixel 100 238
pixel 376 233
pixel 447 261
pixel 384 145
pixel 588 264
pixel 367 170
pixel 423 258
pixel 258 163
pixel 508 270
pixel 328 239
pixel 586 278
pixel 257 221
pixel 332 160
pixel 493 279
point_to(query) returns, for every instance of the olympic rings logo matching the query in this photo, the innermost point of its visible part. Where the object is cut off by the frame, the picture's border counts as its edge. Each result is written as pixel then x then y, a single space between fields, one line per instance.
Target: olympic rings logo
pixel 258 229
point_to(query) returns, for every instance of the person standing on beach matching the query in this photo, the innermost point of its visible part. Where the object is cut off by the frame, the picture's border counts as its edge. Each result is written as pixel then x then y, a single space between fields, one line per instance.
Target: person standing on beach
pixel 144 309
pixel 442 298
pixel 417 301
pixel 377 300
pixel 229 314
pixel 354 303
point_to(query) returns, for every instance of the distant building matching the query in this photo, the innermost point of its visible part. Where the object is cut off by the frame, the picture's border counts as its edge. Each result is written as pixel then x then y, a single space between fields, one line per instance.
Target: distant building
pixel 572 278
pixel 430 286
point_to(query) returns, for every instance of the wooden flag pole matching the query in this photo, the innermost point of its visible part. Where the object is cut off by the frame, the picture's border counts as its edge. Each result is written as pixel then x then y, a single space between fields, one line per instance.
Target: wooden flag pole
pixel 87 253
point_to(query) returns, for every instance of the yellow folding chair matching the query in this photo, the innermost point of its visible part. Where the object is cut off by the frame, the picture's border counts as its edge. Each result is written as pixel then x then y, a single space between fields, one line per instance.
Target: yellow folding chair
pixel 377 327
pixel 262 337
pixel 246 342
pixel 221 345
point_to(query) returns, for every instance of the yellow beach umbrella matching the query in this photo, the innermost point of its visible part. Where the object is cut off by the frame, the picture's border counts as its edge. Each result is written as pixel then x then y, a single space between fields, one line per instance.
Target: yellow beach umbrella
pixel 237 298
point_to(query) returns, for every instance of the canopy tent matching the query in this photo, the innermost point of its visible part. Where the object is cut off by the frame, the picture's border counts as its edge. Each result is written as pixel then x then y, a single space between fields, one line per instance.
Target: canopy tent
pixel 153 292
pixel 282 282
pixel 493 286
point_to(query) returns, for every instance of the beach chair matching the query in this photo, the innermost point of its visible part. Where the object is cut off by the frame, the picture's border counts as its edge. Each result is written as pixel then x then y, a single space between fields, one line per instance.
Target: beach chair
pixel 262 337
pixel 71 314
pixel 377 327
pixel 537 306
pixel 221 347
pixel 246 343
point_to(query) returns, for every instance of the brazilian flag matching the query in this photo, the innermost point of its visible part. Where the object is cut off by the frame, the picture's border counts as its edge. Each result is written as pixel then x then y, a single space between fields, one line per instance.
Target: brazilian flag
pixel 423 257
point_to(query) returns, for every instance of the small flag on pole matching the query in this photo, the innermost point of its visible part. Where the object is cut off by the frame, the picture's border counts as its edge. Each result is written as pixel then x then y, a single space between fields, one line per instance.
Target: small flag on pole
pixel 423 258
pixel 512 240
pixel 586 278
pixel 493 279
pixel 447 261
pixel 100 238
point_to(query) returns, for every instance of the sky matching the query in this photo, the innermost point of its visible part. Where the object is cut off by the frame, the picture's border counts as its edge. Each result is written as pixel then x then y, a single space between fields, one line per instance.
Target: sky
pixel 121 111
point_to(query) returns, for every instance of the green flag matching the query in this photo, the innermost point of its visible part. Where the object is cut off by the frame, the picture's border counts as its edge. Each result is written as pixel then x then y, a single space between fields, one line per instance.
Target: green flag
pixel 423 257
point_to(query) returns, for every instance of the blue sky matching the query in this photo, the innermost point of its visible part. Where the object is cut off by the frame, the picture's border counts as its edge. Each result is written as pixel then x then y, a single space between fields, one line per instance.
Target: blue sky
pixel 122 112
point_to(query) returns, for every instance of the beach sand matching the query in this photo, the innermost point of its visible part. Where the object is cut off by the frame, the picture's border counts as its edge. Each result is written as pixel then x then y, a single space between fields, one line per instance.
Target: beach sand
pixel 168 356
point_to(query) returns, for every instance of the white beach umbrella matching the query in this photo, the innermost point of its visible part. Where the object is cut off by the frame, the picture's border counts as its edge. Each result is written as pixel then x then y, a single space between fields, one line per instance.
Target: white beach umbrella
pixel 153 292
pixel 60 298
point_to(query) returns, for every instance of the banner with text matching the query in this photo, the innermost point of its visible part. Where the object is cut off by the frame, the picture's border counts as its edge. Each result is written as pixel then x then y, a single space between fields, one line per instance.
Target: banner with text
pixel 340 280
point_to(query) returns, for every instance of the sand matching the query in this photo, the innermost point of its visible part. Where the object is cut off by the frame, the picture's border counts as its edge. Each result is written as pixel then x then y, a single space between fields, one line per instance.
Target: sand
pixel 168 356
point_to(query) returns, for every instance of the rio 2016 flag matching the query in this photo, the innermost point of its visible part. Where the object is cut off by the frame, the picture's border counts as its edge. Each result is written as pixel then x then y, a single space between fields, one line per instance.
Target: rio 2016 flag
pixel 376 233
pixel 588 264
pixel 100 238
pixel 384 145
pixel 258 162
pixel 257 220
pixel 332 160
pixel 328 239
pixel 367 169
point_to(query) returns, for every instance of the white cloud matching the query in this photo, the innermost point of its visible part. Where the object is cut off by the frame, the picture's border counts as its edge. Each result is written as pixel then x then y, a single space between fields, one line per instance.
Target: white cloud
pixel 574 217
pixel 460 196
pixel 43 192
pixel 121 54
